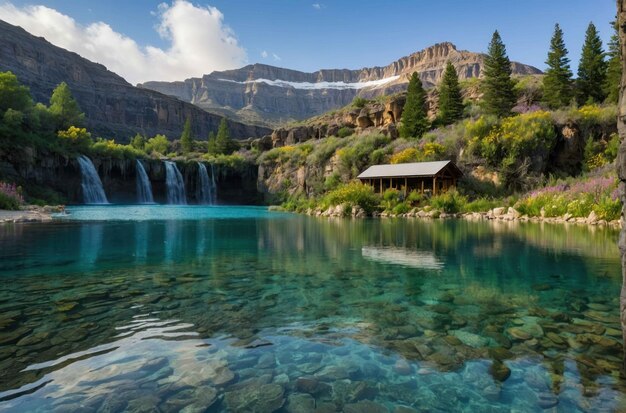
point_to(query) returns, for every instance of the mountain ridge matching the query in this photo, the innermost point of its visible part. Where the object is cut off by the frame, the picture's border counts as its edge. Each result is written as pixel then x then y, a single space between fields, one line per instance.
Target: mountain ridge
pixel 272 95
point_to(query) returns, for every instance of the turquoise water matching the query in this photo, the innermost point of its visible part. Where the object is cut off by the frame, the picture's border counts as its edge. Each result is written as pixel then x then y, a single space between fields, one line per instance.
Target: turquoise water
pixel 159 308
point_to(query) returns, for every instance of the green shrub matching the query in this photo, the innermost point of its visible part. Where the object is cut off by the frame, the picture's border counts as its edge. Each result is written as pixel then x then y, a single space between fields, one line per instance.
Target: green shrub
pixel 449 202
pixel 415 198
pixel 391 198
pixel 158 144
pixel 344 132
pixel 109 148
pixel 481 205
pixel 608 208
pixel 354 194
pixel 401 208
pixel 359 102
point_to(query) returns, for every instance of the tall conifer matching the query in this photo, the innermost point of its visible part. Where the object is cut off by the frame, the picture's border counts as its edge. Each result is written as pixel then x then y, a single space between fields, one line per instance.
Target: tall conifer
pixel 414 116
pixel 499 95
pixel 557 83
pixel 450 99
pixel 592 69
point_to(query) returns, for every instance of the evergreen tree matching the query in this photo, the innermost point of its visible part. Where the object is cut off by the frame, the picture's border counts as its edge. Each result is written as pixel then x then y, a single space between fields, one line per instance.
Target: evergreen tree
pixel 211 144
pixel 186 139
pixel 499 95
pixel 557 83
pixel 13 95
pixel 450 99
pixel 614 70
pixel 64 108
pixel 414 116
pixel 223 142
pixel 592 69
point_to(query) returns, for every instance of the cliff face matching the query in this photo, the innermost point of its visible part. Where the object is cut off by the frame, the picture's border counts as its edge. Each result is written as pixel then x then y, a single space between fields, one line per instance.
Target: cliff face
pixel 113 107
pixel 270 95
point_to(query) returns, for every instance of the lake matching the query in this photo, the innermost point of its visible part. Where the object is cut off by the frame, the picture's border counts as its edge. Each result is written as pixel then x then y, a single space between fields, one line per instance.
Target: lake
pixel 144 308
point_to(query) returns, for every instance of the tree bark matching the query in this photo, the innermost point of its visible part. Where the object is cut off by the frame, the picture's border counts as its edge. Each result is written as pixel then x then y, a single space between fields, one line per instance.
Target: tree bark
pixel 621 165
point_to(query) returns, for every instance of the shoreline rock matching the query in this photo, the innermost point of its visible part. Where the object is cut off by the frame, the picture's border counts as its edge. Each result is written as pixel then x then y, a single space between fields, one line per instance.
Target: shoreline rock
pixel 30 213
pixel 495 214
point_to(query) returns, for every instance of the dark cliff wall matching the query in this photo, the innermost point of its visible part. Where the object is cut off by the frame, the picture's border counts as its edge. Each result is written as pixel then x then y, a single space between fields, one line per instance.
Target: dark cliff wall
pixel 42 173
pixel 113 107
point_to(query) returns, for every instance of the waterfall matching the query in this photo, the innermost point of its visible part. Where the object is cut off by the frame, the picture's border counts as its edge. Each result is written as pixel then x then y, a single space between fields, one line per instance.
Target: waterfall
pixel 206 191
pixel 175 185
pixel 144 189
pixel 93 192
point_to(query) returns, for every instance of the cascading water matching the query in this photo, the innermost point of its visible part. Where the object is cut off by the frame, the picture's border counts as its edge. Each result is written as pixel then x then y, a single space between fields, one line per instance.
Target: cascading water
pixel 206 192
pixel 93 192
pixel 175 185
pixel 144 189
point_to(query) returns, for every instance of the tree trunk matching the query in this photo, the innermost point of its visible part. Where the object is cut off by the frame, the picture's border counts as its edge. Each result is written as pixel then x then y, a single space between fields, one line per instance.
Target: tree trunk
pixel 621 164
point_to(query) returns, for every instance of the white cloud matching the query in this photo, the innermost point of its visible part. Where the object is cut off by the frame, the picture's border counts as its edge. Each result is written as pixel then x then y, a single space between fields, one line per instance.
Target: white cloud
pixel 317 6
pixel 276 57
pixel 264 54
pixel 198 41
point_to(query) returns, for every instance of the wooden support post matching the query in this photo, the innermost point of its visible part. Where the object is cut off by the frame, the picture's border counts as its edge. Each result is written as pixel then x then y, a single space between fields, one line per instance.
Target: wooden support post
pixel 406 186
pixel 381 186
pixel 435 185
pixel 422 187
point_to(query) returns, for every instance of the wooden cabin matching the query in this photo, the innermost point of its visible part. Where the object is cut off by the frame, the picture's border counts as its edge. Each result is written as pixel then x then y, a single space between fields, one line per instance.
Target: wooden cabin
pixel 425 177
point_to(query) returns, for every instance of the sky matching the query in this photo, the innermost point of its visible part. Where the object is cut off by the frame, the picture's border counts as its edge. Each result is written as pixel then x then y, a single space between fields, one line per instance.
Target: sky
pixel 173 40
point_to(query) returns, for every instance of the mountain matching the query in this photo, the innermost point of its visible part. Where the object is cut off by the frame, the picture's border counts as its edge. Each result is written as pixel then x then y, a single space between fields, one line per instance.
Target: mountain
pixel 113 107
pixel 271 95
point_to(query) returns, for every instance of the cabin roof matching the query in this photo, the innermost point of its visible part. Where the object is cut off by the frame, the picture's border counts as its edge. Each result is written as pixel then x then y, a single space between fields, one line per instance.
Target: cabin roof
pixel 416 169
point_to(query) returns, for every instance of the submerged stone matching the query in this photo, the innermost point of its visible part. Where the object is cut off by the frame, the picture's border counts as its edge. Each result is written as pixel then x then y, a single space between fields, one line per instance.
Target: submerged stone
pixel 365 406
pixel 266 398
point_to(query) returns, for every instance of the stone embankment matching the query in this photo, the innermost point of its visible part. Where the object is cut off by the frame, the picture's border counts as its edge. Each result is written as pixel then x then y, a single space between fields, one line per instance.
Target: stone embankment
pixel 30 213
pixel 499 214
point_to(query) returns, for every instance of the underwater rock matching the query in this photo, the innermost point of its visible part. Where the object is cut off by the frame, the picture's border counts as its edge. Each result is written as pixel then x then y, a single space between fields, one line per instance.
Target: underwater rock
pixel 402 367
pixel 259 399
pixel 470 339
pixel 499 371
pixel 518 333
pixel 300 403
pixel 500 353
pixel 365 406
pixel 555 338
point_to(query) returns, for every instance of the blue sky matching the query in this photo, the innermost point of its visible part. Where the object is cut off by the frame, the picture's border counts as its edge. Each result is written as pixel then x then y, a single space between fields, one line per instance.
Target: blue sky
pixel 309 35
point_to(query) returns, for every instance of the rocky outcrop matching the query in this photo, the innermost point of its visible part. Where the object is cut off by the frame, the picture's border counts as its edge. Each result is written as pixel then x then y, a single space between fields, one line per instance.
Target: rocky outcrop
pixel 113 107
pixel 271 95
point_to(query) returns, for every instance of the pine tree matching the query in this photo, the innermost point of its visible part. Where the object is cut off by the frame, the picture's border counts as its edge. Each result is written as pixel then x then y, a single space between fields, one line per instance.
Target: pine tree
pixel 414 116
pixel 211 144
pixel 223 143
pixel 64 108
pixel 557 83
pixel 592 69
pixel 186 139
pixel 450 99
pixel 499 95
pixel 614 69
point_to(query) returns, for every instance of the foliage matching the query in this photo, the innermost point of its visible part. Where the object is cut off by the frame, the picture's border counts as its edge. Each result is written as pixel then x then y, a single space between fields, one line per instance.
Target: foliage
pixel 13 95
pixel 10 196
pixel 600 153
pixel 138 142
pixel 354 194
pixel 450 99
pixel 481 205
pixel 64 108
pixel 289 154
pixel 74 138
pixel 186 139
pixel 211 143
pixel 357 154
pixel 591 69
pixel 497 86
pixel 157 144
pixel 427 151
pixel 344 132
pixel 108 148
pixel 224 144
pixel 614 67
pixel 13 118
pixel 414 116
pixel 557 82
pixel 359 102
pixel 515 138
pixel 449 202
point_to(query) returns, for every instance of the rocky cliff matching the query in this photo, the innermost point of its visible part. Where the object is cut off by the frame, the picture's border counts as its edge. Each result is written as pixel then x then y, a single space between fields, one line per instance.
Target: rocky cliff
pixel 113 107
pixel 271 95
